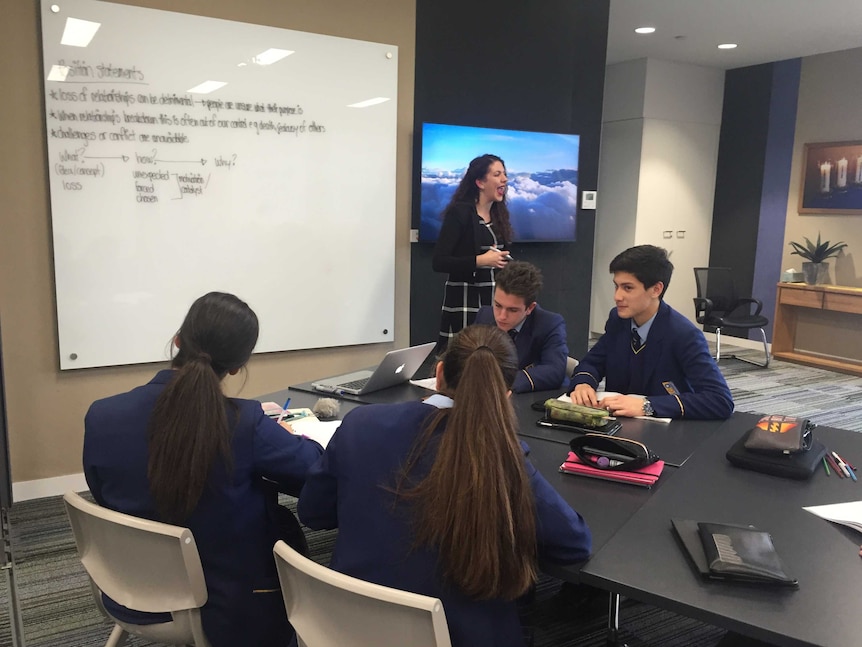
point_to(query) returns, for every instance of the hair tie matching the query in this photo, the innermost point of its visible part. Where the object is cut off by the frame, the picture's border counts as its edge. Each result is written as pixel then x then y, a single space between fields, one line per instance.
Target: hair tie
pixel 485 347
pixel 205 357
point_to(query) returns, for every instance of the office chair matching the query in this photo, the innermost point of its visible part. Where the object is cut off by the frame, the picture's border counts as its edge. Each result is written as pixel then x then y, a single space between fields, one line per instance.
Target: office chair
pixel 717 306
pixel 143 565
pixel 571 365
pixel 329 609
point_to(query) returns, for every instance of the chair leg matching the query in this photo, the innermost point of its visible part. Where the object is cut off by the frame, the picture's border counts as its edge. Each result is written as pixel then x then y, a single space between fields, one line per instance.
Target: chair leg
pixel 742 359
pixel 717 344
pixel 117 637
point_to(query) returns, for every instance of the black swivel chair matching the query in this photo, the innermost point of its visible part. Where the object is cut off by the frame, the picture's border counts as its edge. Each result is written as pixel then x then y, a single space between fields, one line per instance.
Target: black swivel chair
pixel 717 306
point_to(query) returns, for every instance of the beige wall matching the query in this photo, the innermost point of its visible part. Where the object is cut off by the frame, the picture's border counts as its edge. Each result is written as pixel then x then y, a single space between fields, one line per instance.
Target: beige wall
pixel 46 407
pixel 828 111
pixel 660 128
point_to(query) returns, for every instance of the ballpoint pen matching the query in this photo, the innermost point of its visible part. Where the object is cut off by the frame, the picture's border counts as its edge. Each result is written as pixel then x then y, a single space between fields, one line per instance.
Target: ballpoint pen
pixel 845 466
pixel 841 464
pixel 283 410
pixel 835 466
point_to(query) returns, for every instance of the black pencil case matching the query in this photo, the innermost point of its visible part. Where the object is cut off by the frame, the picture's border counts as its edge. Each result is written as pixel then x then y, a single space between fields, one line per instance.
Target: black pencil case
pixel 798 466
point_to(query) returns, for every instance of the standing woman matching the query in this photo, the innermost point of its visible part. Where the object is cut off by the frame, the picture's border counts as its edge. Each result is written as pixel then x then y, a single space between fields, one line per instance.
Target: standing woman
pixel 470 247
pixel 437 497
pixel 178 450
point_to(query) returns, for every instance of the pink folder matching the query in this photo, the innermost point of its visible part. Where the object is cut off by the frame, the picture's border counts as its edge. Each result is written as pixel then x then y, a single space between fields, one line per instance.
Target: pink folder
pixel 645 476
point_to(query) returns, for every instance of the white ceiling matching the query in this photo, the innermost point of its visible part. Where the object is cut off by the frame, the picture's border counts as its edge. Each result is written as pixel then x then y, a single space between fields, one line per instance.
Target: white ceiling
pixel 689 31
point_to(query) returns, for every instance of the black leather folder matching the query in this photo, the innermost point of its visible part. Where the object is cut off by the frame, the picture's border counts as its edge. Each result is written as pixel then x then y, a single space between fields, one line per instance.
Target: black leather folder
pixel 732 553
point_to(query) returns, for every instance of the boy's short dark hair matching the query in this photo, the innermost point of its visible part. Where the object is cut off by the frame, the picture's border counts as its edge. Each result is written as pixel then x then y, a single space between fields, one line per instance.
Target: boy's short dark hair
pixel 648 263
pixel 521 280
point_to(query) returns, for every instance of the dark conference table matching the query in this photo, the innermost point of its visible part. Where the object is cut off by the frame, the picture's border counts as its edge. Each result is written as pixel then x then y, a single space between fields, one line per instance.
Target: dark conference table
pixel 635 553
pixel 548 450
pixel 643 560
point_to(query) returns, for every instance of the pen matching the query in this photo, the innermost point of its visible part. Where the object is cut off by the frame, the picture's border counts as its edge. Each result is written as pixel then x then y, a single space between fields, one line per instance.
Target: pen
pixel 834 465
pixel 841 464
pixel 284 410
pixel 844 466
pixel 826 467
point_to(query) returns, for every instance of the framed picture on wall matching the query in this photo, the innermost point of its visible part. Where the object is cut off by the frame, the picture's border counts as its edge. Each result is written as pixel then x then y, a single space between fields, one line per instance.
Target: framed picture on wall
pixel 831 178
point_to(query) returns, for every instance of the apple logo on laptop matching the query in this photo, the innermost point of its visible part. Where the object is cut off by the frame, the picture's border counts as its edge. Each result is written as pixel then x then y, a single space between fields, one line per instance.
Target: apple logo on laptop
pixel 399 369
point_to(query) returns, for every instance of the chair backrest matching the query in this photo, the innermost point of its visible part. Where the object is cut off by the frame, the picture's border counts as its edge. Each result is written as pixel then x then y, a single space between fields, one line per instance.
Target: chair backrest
pixel 328 608
pixel 143 565
pixel 716 284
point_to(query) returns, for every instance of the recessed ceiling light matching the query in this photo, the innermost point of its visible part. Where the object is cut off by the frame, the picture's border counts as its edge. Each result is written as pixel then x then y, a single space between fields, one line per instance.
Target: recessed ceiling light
pixel 79 33
pixel 644 30
pixel 369 102
pixel 206 87
pixel 271 56
pixel 727 46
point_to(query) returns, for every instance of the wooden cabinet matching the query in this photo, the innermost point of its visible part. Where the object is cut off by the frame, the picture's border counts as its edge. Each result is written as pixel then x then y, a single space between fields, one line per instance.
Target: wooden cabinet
pixel 819 325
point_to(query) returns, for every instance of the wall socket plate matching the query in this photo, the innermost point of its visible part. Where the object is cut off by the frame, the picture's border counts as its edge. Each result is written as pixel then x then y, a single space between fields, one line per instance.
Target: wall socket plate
pixel 588 199
pixel 414 235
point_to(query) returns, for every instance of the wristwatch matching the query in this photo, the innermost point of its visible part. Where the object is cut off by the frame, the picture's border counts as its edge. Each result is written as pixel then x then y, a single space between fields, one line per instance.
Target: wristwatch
pixel 647 407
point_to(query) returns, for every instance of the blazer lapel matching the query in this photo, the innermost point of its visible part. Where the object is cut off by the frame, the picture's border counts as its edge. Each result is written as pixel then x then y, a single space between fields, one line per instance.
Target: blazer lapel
pixel 655 344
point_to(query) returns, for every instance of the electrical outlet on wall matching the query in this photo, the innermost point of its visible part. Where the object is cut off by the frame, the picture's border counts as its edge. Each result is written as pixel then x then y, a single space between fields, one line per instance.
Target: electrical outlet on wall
pixel 588 199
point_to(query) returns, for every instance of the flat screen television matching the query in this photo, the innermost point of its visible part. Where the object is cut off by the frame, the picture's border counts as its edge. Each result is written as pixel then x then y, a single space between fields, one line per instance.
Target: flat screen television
pixel 542 193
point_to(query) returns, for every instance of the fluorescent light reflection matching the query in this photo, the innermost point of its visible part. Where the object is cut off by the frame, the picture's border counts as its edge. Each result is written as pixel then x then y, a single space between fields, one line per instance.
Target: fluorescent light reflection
pixel 58 73
pixel 79 33
pixel 644 30
pixel 270 56
pixel 206 87
pixel 368 102
pixel 727 46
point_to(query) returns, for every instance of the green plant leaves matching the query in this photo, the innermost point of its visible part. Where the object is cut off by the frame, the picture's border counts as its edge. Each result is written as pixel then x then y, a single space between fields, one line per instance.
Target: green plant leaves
pixel 819 252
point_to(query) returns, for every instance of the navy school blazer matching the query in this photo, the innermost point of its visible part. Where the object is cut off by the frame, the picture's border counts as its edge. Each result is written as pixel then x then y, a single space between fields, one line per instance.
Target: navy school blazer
pixel 235 524
pixel 675 351
pixel 542 350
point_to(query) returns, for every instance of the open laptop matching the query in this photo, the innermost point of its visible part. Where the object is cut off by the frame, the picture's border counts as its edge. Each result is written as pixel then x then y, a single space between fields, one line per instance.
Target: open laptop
pixel 397 367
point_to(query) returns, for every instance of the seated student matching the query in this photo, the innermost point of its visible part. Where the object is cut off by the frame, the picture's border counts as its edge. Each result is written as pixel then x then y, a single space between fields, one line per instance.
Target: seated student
pixel 437 497
pixel 177 450
pixel 539 335
pixel 668 361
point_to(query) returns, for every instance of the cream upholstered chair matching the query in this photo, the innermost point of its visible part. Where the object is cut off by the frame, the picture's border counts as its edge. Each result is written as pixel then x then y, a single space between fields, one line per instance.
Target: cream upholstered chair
pixel 143 565
pixel 330 609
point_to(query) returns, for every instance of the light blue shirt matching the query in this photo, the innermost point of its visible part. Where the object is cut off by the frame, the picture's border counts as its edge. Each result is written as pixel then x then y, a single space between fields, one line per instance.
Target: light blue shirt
pixel 440 401
pixel 643 331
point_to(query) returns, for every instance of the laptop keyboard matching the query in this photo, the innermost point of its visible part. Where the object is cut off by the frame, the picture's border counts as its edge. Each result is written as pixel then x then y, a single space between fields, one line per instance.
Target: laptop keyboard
pixel 355 384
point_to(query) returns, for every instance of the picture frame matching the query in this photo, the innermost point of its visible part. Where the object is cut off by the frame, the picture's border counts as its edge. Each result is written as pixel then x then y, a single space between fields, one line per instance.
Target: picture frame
pixel 831 180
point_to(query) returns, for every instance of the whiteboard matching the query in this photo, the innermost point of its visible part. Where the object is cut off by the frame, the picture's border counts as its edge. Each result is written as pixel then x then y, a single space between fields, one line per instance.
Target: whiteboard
pixel 274 186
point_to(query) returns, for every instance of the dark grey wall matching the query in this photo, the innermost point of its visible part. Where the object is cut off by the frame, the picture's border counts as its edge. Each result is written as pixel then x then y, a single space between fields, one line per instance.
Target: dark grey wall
pixel 522 66
pixel 753 177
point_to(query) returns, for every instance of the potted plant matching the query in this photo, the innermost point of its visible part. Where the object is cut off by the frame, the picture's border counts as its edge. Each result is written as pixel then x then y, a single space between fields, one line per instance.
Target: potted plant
pixel 816 270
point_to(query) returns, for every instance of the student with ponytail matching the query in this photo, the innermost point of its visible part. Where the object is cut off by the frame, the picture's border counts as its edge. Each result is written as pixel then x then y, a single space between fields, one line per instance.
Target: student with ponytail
pixel 437 497
pixel 178 450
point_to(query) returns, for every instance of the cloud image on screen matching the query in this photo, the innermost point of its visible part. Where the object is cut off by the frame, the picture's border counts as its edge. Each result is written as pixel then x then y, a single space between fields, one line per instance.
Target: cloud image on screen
pixel 542 168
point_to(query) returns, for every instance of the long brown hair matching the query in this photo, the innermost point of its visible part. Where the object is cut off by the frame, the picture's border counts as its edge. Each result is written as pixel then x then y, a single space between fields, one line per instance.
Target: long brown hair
pixel 467 191
pixel 189 430
pixel 476 506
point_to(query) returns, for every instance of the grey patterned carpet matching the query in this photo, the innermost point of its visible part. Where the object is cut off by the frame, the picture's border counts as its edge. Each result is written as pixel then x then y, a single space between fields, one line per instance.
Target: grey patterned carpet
pixel 58 610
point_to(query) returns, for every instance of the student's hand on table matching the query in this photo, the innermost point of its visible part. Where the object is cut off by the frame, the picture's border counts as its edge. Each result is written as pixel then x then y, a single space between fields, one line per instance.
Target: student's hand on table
pixel 623 405
pixel 585 395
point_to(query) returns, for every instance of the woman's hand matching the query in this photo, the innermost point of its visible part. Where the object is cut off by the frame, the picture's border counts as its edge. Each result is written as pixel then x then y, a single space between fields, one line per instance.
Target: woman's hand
pixel 287 426
pixel 493 258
